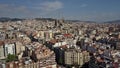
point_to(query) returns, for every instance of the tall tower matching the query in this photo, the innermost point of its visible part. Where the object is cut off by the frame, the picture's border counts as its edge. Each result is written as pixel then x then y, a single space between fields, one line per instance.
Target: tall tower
pixel 61 23
pixel 56 23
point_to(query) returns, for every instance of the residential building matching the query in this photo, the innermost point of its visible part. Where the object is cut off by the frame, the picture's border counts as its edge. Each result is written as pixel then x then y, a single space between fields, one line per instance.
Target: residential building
pixel 2 55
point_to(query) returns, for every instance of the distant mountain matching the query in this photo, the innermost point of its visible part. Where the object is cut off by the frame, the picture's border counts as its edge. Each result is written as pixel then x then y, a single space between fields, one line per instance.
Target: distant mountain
pixel 49 19
pixel 115 21
pixel 78 21
pixel 5 19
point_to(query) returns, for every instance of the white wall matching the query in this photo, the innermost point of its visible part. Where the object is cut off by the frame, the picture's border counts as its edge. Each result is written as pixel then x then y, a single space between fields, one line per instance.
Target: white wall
pixel 9 49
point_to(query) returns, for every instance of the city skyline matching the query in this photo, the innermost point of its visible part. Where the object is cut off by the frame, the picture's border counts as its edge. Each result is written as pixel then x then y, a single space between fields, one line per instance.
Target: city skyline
pixel 84 10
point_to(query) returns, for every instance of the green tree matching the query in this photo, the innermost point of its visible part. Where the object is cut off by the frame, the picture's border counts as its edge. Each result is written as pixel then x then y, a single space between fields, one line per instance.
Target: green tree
pixel 11 57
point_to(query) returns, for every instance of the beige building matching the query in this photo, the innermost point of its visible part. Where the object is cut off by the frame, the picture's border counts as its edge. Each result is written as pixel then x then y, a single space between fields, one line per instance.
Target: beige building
pixel 2 56
pixel 86 56
pixel 18 46
pixel 119 36
pixel 68 58
pixel 74 57
pixel 43 34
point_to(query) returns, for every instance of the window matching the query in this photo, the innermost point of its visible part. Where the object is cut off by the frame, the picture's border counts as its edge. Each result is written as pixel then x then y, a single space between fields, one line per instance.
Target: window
pixel 6 50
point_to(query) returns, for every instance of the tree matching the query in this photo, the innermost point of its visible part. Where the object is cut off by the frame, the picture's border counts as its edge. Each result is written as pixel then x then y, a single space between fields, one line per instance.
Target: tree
pixel 11 57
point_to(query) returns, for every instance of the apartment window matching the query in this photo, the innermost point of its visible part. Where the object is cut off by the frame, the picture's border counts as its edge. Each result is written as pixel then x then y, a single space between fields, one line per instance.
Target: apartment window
pixel 6 49
pixel 13 49
pixel 0 53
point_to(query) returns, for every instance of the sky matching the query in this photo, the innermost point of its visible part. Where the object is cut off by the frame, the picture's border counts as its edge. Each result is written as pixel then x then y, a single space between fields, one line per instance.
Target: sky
pixel 84 10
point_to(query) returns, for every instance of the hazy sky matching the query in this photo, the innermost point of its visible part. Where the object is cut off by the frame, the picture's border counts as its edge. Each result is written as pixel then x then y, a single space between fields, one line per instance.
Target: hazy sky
pixel 87 10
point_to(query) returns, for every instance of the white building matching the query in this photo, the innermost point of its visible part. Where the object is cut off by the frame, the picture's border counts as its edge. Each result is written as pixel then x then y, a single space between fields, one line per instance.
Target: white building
pixel 59 44
pixel 9 49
